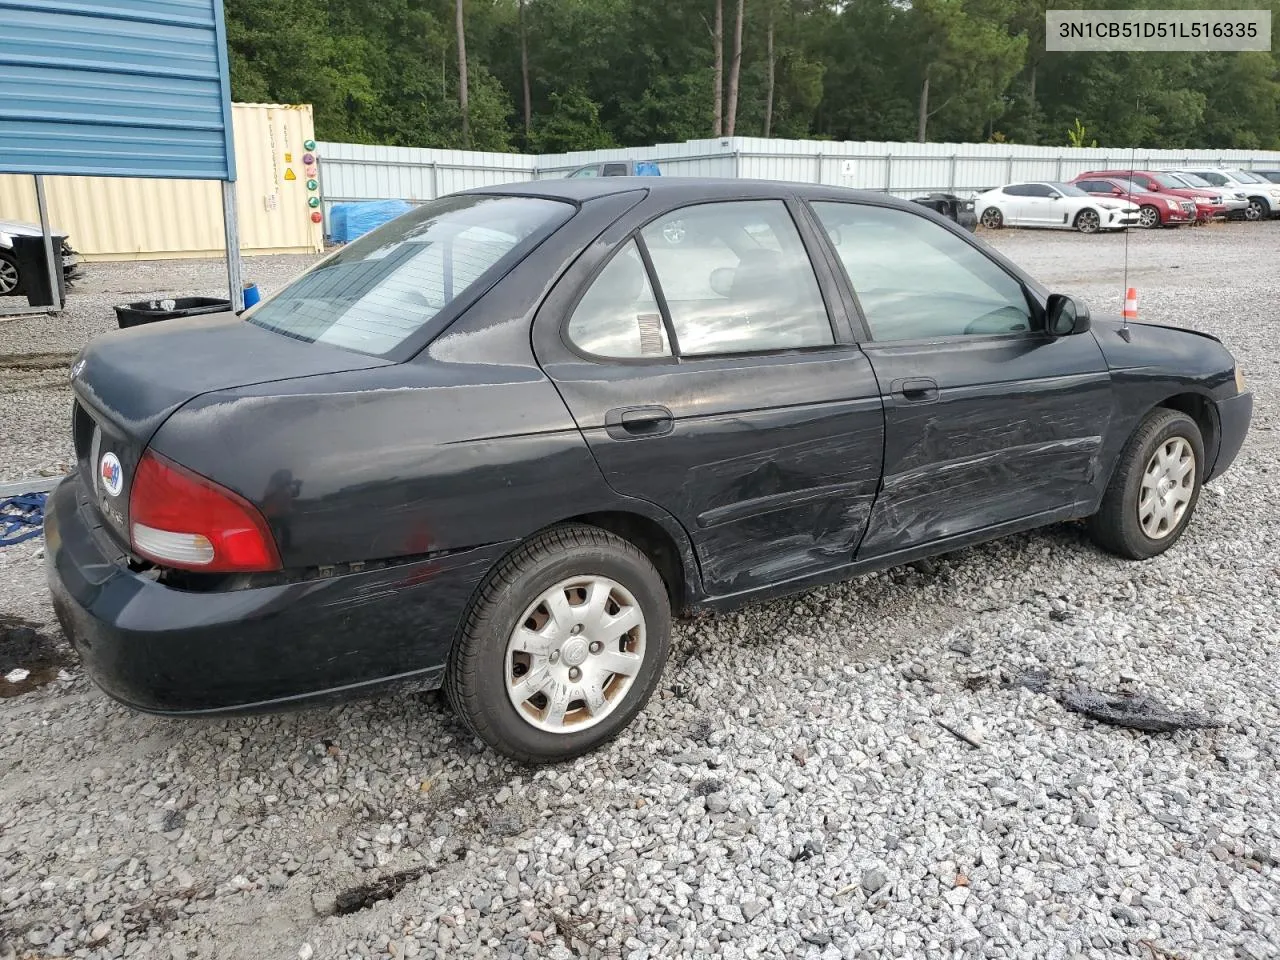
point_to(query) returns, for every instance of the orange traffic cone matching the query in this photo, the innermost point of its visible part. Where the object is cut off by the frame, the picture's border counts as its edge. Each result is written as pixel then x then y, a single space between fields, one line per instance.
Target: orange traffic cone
pixel 1131 304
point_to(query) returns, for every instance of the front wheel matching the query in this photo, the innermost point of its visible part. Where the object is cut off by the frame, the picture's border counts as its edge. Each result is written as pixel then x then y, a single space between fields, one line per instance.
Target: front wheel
pixel 562 647
pixel 1088 221
pixel 992 218
pixel 1154 490
pixel 1257 209
pixel 1149 217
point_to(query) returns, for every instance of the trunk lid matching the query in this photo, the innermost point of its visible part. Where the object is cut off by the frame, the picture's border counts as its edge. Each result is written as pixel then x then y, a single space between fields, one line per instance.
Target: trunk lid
pixel 127 383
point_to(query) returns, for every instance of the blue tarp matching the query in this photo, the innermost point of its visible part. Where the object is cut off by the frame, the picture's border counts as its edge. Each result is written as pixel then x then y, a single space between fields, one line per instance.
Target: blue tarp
pixel 347 221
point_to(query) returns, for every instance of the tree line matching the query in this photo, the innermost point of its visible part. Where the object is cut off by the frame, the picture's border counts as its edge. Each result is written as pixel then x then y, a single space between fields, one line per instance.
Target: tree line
pixel 554 75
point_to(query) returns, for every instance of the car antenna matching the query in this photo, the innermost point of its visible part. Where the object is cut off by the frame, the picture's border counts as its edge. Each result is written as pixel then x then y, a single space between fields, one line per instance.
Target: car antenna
pixel 1124 313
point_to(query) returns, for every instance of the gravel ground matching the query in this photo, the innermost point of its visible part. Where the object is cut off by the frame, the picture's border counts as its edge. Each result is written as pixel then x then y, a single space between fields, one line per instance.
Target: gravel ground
pixel 789 793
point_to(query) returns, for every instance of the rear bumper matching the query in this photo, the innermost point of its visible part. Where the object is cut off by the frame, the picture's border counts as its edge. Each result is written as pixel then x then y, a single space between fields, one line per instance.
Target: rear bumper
pixel 163 650
pixel 1234 417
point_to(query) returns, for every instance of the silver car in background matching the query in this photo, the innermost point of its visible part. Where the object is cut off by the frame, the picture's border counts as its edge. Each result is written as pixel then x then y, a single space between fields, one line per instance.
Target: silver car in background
pixel 1261 196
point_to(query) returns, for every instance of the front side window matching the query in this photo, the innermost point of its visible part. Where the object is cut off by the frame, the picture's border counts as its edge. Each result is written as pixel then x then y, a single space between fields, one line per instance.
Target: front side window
pixel 1094 186
pixel 382 289
pixel 917 280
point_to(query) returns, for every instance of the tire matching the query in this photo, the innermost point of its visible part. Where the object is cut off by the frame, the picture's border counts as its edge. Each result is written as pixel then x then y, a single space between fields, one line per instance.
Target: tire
pixel 992 218
pixel 485 665
pixel 1257 209
pixel 1119 525
pixel 1148 217
pixel 1088 221
pixel 10 279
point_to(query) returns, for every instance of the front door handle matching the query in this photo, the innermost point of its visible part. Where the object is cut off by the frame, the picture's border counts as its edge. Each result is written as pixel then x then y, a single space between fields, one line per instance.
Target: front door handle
pixel 638 423
pixel 916 390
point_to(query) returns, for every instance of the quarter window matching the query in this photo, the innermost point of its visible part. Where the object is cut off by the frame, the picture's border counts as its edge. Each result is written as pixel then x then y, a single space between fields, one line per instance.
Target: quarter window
pixel 737 279
pixel 618 316
pixel 917 280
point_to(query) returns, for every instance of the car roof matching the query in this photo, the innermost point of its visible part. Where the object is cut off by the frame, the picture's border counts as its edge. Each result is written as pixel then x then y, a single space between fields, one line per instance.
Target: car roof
pixel 681 189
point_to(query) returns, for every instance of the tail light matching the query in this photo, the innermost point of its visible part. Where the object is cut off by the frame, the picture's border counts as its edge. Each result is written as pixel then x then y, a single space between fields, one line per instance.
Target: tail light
pixel 178 518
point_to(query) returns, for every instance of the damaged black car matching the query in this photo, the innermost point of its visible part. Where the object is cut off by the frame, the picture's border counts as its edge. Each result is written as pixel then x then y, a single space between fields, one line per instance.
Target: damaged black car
pixel 497 443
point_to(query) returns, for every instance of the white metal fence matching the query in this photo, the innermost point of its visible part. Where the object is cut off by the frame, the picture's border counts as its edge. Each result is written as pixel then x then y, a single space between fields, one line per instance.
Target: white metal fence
pixel 353 172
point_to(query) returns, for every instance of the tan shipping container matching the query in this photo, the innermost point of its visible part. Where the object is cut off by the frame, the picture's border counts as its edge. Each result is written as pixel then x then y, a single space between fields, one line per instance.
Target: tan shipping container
pixel 120 218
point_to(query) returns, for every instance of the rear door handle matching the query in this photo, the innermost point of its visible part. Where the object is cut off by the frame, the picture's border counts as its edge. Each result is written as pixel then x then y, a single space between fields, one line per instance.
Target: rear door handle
pixel 638 423
pixel 916 389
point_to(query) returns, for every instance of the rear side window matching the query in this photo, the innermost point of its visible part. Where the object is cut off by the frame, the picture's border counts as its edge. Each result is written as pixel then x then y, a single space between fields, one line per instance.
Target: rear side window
pixel 733 277
pixel 618 316
pixel 737 279
pixel 379 291
pixel 615 169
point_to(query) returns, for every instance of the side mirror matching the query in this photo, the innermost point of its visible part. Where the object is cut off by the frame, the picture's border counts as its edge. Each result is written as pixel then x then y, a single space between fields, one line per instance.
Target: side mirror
pixel 1117 192
pixel 1065 316
pixel 1055 196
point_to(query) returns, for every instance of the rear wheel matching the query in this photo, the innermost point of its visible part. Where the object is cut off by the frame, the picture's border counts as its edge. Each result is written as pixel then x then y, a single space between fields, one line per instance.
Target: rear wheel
pixel 10 281
pixel 1154 490
pixel 562 647
pixel 1149 217
pixel 1088 221
pixel 992 218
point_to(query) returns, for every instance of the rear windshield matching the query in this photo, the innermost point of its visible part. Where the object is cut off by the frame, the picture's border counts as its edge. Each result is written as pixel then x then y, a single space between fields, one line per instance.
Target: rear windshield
pixel 377 292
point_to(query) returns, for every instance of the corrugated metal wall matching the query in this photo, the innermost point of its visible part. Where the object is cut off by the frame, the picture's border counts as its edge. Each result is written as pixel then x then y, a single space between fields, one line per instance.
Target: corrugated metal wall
pixel 121 218
pixel 136 87
pixel 359 172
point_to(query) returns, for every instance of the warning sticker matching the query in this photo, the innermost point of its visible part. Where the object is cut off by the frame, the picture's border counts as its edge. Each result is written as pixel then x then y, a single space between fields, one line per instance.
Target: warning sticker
pixel 289 174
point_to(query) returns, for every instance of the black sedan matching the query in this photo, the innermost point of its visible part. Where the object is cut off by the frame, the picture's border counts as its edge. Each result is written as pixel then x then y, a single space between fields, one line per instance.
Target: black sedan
pixel 496 444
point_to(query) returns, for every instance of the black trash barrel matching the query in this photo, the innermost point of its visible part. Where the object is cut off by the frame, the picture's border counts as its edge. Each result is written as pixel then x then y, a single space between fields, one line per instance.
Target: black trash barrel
pixel 149 311
pixel 33 269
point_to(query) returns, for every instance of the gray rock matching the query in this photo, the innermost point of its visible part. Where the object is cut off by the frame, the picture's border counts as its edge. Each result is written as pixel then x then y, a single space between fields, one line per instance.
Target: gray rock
pixel 873 878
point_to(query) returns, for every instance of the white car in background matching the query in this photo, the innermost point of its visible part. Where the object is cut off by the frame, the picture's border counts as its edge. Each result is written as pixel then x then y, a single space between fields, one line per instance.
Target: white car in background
pixel 1262 197
pixel 1045 203
pixel 11 281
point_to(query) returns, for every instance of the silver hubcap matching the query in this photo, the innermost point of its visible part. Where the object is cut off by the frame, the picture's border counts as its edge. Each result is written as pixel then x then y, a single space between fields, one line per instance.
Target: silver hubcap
pixel 574 654
pixel 1167 485
pixel 1254 211
pixel 1149 217
pixel 991 218
pixel 8 277
pixel 1088 222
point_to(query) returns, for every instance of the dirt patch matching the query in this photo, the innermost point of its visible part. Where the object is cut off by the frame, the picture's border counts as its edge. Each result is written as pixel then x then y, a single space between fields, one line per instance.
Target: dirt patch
pixel 36 361
pixel 24 646
pixel 368 894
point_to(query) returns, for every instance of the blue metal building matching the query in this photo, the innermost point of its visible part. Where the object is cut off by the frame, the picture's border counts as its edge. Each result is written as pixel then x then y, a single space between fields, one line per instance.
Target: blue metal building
pixel 129 88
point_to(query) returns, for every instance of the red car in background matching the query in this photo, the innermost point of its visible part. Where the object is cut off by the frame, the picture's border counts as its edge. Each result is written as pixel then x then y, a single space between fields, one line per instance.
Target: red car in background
pixel 1208 201
pixel 1156 210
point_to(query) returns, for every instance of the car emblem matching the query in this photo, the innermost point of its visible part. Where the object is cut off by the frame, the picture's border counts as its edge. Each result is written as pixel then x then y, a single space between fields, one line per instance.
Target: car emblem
pixel 77 368
pixel 111 474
